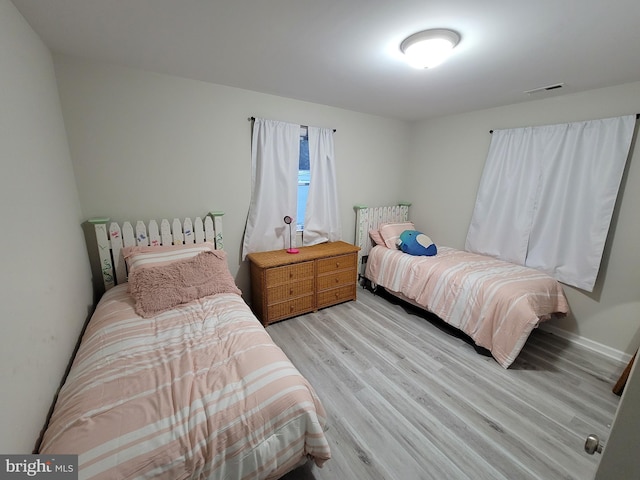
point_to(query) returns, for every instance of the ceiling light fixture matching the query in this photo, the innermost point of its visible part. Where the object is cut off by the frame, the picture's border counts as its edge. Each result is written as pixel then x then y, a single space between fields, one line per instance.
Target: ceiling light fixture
pixel 429 48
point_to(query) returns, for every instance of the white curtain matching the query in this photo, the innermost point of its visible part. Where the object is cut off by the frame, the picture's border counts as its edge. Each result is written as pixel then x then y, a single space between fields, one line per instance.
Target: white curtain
pixel 275 151
pixel 547 194
pixel 322 218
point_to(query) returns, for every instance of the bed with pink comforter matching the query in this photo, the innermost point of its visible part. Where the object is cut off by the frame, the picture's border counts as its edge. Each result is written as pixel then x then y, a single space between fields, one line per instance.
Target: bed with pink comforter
pixel 496 303
pixel 198 391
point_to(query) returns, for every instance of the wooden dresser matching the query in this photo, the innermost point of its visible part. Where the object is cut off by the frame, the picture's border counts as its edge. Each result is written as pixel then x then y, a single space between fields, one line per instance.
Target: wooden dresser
pixel 284 285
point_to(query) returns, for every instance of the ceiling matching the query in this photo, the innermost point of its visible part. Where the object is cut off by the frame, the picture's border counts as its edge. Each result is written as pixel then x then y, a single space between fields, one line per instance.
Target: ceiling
pixel 345 53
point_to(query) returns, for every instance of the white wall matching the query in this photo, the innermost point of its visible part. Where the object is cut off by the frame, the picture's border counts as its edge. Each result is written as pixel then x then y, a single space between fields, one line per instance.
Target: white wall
pixel 46 290
pixel 147 145
pixel 446 162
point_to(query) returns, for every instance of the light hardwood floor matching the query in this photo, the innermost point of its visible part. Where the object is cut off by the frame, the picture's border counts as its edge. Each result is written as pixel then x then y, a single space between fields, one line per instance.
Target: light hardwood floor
pixel 409 398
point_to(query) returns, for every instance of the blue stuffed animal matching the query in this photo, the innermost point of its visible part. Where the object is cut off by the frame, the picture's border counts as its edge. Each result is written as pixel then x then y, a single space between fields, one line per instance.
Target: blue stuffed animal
pixel 414 242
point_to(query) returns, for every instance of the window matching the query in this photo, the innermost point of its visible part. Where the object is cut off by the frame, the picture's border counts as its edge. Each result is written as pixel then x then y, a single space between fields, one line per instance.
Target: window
pixel 547 194
pixel 275 190
pixel 304 178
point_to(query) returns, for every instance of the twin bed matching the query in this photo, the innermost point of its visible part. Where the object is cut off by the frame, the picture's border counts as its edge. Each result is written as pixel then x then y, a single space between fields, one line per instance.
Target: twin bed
pixel 496 303
pixel 175 378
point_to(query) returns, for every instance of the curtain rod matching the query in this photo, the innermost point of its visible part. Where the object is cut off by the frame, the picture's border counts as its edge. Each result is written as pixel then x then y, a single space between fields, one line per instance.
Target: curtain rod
pixel 637 117
pixel 251 119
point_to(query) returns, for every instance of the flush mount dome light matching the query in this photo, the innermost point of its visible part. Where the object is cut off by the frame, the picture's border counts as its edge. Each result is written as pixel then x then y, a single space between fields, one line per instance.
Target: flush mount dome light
pixel 429 48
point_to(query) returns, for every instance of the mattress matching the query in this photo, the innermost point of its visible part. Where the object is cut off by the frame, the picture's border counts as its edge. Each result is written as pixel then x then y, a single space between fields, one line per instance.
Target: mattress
pixel 199 391
pixel 496 303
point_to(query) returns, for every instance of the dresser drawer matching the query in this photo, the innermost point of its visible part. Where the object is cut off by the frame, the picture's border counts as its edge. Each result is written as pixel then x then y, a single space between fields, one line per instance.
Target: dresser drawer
pixel 289 291
pixel 336 295
pixel 337 279
pixel 290 308
pixel 289 273
pixel 339 262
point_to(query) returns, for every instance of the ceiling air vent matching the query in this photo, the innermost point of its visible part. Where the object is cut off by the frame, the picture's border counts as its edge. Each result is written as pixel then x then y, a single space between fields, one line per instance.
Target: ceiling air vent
pixel 555 86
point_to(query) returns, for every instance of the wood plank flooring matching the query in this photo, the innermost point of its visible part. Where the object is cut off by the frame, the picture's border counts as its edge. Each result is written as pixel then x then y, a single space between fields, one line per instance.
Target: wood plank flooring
pixel 408 397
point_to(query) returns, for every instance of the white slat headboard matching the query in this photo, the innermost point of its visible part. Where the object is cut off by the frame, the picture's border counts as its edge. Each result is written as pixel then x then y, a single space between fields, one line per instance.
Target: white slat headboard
pixel 369 218
pixel 111 237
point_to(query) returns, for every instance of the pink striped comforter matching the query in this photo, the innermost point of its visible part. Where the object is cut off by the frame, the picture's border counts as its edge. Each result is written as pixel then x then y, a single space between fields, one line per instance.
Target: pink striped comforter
pixel 496 303
pixel 196 392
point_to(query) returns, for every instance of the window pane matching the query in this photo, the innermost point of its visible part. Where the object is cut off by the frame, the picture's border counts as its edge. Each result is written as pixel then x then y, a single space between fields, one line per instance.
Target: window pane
pixel 304 153
pixel 304 178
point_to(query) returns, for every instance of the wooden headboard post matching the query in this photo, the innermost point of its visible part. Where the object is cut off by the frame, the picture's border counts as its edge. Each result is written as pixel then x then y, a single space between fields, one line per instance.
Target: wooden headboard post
pixel 369 218
pixel 104 251
pixel 112 240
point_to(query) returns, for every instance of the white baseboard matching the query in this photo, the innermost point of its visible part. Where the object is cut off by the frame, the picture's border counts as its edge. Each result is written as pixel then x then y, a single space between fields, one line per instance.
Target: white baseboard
pixel 604 350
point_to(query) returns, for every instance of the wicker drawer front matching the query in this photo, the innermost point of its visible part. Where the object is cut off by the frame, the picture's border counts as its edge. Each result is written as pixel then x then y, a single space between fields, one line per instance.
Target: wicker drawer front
pixel 340 262
pixel 290 308
pixel 289 273
pixel 289 291
pixel 337 295
pixel 332 280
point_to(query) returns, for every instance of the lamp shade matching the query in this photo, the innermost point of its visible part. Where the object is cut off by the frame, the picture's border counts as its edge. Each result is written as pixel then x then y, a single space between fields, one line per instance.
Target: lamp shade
pixel 429 48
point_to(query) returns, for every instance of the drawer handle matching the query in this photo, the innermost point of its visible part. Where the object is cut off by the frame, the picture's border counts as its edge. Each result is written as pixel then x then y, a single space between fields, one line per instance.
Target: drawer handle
pixel 291 291
pixel 291 308
pixel 337 280
pixel 337 264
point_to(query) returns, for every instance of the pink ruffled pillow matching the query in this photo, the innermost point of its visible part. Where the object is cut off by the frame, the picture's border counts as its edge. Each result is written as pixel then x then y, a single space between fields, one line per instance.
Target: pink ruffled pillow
pixel 160 288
